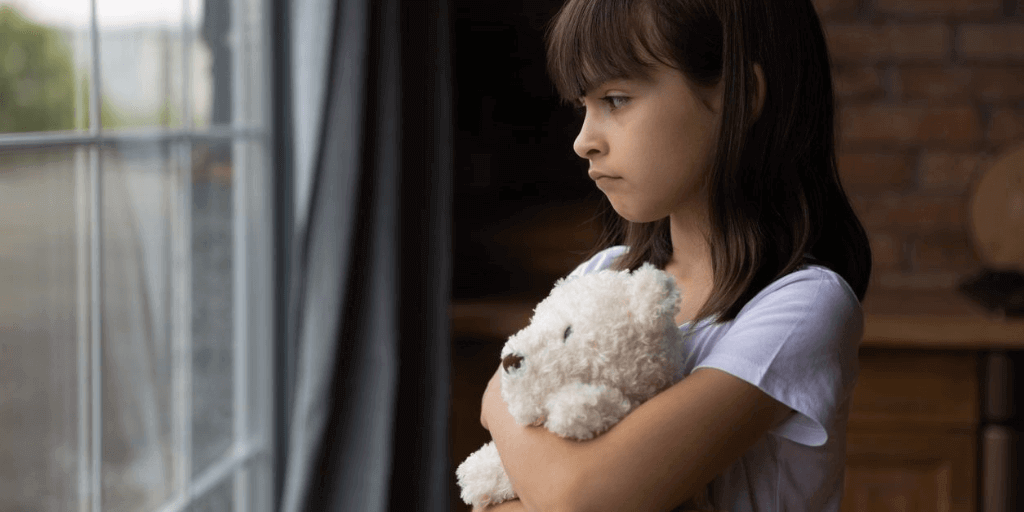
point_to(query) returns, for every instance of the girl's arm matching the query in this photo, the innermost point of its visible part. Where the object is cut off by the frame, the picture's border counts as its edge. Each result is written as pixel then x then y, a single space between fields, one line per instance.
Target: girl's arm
pixel 656 458
pixel 508 506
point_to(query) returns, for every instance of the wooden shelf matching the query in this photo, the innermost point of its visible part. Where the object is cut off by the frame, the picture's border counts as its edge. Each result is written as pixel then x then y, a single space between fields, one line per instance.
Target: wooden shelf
pixel 941 319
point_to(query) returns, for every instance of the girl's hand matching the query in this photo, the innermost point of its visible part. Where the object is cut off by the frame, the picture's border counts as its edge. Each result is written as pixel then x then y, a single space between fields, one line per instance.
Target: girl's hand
pixel 491 398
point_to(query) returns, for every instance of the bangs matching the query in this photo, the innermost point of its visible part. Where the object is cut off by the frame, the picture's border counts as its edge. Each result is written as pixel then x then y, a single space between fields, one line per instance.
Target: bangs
pixel 593 41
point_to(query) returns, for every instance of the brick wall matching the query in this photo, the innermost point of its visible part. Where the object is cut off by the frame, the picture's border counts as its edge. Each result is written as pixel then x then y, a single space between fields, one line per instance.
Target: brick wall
pixel 929 94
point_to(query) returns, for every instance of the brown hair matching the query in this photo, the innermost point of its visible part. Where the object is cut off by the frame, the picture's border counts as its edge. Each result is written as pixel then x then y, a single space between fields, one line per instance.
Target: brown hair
pixel 774 192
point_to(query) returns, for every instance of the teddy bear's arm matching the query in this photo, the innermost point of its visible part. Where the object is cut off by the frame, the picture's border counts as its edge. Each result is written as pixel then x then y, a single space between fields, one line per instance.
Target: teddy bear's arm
pixel 582 411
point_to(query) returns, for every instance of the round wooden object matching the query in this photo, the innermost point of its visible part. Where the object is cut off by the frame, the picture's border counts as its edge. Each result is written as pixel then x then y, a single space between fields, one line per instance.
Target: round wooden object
pixel 997 213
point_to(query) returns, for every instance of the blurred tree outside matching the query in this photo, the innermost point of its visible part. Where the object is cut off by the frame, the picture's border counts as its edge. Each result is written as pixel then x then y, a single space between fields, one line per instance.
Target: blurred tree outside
pixel 37 79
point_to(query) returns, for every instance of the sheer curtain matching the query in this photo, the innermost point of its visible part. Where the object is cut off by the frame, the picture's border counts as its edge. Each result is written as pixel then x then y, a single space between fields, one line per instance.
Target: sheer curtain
pixel 373 140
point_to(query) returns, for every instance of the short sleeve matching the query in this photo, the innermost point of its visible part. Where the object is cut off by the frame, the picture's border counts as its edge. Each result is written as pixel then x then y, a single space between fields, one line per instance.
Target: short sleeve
pixel 599 261
pixel 797 341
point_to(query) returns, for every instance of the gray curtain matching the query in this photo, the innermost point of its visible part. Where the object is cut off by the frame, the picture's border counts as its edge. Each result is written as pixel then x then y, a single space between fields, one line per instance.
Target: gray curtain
pixel 369 416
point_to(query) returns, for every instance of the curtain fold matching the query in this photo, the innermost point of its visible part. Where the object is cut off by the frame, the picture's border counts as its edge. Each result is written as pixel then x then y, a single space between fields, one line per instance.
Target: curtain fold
pixel 369 420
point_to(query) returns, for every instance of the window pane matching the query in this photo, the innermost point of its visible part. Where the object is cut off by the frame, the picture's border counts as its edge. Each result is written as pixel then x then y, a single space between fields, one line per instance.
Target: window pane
pixel 219 499
pixel 260 484
pixel 39 330
pixel 213 52
pixel 137 345
pixel 141 63
pixel 44 62
pixel 259 252
pixel 257 78
pixel 212 312
pixel 218 55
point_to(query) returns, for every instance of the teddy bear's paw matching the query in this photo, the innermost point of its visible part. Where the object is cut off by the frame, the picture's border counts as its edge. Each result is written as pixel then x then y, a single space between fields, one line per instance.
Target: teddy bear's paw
pixel 582 411
pixel 483 479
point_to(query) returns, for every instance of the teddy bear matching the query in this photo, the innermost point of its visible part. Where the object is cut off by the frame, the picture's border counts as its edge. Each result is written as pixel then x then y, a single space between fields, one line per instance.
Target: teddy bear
pixel 597 347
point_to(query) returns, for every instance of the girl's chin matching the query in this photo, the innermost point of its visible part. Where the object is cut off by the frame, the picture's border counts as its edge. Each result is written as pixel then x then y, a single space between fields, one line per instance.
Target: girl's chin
pixel 632 215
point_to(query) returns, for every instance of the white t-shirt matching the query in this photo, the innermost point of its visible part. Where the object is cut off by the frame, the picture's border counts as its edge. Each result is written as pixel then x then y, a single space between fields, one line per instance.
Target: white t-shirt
pixel 797 341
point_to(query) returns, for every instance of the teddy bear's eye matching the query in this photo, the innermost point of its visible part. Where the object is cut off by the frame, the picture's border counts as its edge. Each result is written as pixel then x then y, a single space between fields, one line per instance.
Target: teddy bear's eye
pixel 568 331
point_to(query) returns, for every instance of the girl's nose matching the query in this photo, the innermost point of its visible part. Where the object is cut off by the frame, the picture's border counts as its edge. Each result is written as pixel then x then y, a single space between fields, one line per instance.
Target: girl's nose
pixel 587 144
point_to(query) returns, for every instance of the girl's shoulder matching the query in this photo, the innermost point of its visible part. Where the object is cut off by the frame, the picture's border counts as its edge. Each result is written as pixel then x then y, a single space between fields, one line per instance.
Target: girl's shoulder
pixel 812 291
pixel 600 261
pixel 813 276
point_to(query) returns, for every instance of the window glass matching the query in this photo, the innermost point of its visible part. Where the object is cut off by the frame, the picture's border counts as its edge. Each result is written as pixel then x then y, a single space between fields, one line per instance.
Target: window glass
pixel 218 499
pixel 212 304
pixel 141 66
pixel 219 55
pixel 44 63
pixel 40 287
pixel 138 359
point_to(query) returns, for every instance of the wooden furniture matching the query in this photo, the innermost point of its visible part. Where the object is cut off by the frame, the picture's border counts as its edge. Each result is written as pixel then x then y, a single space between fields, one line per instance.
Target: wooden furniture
pixel 913 438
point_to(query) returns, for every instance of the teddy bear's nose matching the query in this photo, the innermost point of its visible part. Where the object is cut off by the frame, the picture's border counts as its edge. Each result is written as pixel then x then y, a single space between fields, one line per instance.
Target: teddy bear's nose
pixel 511 361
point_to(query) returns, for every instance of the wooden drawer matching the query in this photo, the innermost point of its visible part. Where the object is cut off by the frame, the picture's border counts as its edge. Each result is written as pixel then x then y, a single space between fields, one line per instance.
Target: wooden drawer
pixel 910 470
pixel 916 387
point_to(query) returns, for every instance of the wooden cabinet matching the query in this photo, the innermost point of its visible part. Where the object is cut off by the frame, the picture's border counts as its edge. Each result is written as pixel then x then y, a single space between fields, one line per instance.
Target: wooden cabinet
pixel 912 435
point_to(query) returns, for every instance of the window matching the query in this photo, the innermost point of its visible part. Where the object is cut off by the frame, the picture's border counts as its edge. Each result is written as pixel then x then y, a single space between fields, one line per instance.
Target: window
pixel 135 256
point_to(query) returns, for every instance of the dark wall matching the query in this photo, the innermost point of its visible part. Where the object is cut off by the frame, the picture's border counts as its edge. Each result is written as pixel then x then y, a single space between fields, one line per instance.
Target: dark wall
pixel 513 145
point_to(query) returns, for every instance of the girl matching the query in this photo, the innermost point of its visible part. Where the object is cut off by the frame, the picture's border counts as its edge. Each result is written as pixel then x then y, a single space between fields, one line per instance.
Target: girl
pixel 708 125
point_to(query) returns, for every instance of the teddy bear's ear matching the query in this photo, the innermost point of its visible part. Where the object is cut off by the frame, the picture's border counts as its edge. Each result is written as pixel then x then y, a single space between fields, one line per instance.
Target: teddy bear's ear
pixel 653 292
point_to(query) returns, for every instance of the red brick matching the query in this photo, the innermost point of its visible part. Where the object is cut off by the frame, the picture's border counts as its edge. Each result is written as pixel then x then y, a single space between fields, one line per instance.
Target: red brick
pixel 910 214
pixel 869 172
pixel 872 123
pixel 993 84
pixel 950 172
pixel 944 251
pixel 1006 125
pixel 939 6
pixel 869 43
pixel 858 82
pixel 991 42
pixel 833 8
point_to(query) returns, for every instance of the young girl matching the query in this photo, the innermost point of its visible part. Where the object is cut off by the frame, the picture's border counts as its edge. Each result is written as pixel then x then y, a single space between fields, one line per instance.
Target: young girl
pixel 709 126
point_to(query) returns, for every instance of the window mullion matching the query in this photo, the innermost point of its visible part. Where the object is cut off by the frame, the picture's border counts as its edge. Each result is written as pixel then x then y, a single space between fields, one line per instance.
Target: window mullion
pixel 83 315
pixel 239 178
pixel 182 325
pixel 183 269
pixel 96 322
pixel 96 265
pixel 18 141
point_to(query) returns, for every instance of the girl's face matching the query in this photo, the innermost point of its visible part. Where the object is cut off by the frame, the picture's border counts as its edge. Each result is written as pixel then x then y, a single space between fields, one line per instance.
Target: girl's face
pixel 650 143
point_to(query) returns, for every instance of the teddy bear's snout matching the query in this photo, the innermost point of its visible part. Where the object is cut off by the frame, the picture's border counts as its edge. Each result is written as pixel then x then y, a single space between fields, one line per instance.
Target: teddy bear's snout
pixel 511 361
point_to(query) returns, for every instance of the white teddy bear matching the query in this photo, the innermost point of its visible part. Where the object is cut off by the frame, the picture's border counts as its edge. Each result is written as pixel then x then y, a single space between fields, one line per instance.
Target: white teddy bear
pixel 597 347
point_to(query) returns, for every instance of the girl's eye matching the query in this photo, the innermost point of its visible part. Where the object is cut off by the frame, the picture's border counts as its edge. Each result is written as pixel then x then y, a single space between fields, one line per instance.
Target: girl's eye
pixel 611 100
pixel 581 111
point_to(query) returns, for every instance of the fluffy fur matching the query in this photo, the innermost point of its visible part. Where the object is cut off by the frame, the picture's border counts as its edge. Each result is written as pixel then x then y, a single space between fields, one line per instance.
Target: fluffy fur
pixel 597 347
